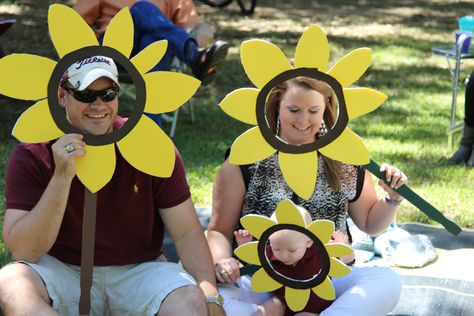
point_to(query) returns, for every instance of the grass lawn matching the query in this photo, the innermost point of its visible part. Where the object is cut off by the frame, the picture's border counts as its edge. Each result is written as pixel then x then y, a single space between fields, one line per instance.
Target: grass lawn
pixel 408 130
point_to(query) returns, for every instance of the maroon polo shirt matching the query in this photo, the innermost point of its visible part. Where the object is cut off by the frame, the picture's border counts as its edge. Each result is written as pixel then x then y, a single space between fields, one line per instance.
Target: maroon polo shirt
pixel 304 269
pixel 129 227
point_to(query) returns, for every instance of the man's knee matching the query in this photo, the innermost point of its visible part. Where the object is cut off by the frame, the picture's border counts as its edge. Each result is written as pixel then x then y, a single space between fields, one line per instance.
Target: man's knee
pixel 17 279
pixel 190 299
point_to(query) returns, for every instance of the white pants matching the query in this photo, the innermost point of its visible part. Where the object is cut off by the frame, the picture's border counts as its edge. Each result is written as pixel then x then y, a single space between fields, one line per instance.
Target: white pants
pixel 367 291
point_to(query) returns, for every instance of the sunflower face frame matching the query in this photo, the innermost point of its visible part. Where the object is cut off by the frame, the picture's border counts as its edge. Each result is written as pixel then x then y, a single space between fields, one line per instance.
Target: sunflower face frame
pixel 333 133
pixel 266 65
pixel 57 112
pixel 296 284
pixel 45 120
pixel 266 279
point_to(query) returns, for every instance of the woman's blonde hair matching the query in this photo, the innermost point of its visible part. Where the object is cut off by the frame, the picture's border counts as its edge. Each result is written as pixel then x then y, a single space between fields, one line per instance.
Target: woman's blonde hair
pixel 333 168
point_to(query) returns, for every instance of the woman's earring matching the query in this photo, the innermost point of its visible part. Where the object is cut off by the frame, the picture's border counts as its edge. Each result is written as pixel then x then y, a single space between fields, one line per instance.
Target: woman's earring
pixel 278 125
pixel 322 129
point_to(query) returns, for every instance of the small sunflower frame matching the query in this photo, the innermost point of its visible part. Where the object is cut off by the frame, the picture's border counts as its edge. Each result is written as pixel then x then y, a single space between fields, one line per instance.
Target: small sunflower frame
pixel 266 279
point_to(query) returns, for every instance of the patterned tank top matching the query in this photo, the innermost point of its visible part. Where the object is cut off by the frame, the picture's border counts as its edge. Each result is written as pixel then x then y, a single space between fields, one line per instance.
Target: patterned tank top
pixel 267 188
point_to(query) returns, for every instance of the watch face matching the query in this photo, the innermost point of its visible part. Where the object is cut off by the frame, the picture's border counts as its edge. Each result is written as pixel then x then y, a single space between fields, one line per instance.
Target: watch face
pixel 220 299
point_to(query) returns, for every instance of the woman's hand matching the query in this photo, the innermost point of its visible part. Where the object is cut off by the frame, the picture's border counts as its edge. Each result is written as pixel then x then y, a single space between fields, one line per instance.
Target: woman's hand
pixel 396 178
pixel 227 270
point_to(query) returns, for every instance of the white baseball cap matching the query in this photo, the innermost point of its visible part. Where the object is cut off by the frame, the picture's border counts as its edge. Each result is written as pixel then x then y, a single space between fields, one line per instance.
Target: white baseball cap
pixel 85 71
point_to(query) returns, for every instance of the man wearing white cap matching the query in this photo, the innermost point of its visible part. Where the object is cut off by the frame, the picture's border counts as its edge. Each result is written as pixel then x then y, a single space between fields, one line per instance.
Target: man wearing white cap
pixel 43 222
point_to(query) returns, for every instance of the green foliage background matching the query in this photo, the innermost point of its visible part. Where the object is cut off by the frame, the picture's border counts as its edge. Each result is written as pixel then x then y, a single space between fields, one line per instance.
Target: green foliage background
pixel 407 131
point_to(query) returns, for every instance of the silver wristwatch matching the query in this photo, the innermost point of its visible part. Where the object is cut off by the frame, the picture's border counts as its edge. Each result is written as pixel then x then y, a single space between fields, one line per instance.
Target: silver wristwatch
pixel 215 299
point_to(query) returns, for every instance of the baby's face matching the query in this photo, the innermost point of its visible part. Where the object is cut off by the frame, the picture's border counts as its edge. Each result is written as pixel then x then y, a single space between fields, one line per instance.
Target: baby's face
pixel 289 246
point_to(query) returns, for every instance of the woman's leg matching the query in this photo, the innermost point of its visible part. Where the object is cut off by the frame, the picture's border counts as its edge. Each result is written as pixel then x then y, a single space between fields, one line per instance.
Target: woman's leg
pixel 239 299
pixel 368 291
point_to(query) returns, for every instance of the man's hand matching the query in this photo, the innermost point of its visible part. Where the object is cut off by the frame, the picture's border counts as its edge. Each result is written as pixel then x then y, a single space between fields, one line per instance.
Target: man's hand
pixel 65 151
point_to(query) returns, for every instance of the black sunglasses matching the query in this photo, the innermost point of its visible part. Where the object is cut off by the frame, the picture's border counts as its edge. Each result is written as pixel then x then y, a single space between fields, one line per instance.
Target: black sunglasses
pixel 89 96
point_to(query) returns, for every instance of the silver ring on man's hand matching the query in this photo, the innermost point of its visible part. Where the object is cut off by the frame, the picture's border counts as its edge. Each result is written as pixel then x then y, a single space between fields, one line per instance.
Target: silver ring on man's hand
pixel 69 148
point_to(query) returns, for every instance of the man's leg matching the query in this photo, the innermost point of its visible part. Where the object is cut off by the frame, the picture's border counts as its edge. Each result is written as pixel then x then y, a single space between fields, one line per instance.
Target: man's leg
pixel 153 288
pixel 153 26
pixel 188 300
pixel 22 291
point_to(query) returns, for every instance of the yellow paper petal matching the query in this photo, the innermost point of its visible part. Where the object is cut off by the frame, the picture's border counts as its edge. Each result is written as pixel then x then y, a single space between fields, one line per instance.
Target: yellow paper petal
pixel 149 149
pixel 300 172
pixel 323 229
pixel 287 213
pixel 240 104
pixel 248 252
pixel 36 125
pixel 68 31
pixel 256 224
pixel 167 90
pixel 338 268
pixel 360 101
pixel 250 147
pixel 96 167
pixel 25 76
pixel 296 299
pixel 262 282
pixel 338 250
pixel 150 56
pixel 325 290
pixel 262 61
pixel 312 50
pixel 119 33
pixel 347 148
pixel 350 67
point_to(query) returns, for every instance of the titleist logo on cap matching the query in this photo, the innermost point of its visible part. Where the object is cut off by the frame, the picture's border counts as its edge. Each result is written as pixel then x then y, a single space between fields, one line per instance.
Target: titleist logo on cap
pixel 91 60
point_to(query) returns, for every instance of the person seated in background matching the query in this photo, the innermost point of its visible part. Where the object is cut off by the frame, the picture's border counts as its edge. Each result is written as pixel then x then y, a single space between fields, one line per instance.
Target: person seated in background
pixel 171 20
pixel 465 152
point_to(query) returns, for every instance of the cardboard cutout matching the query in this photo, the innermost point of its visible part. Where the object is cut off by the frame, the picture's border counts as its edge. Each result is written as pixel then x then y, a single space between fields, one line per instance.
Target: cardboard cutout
pixel 142 143
pixel 266 279
pixel 140 140
pixel 267 66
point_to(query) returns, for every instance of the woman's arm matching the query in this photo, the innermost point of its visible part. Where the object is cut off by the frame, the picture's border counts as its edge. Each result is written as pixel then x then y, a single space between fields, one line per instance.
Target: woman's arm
pixel 371 214
pixel 227 199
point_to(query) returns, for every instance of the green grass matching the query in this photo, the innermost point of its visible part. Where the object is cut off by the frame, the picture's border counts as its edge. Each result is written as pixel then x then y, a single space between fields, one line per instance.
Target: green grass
pixel 408 130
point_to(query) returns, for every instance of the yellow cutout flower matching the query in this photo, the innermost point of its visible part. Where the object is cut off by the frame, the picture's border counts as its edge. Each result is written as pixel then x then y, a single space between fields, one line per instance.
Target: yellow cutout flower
pixel 263 61
pixel 146 146
pixel 287 213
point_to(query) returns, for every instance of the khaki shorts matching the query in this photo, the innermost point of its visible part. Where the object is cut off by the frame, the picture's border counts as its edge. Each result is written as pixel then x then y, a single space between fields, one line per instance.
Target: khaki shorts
pixel 136 289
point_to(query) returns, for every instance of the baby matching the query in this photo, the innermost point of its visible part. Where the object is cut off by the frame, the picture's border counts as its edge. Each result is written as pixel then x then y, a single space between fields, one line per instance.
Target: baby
pixel 294 255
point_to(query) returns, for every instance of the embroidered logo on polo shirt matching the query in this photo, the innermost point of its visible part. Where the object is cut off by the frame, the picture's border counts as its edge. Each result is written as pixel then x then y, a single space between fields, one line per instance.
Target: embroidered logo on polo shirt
pixel 135 188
